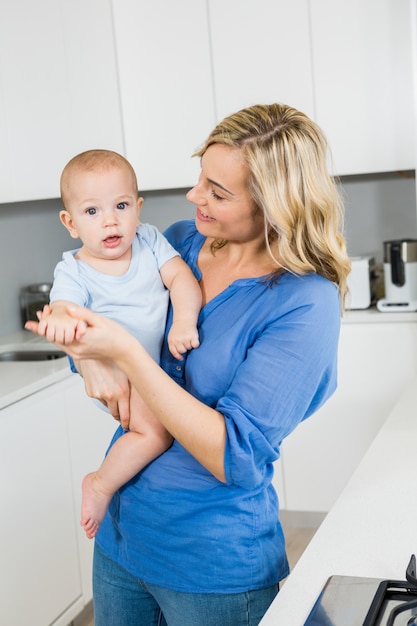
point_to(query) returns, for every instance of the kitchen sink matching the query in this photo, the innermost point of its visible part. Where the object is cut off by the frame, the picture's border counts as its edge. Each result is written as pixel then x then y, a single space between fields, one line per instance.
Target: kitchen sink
pixel 29 352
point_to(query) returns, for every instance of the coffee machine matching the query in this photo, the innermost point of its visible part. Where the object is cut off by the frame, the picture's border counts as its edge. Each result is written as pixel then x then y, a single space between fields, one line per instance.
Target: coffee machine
pixel 400 276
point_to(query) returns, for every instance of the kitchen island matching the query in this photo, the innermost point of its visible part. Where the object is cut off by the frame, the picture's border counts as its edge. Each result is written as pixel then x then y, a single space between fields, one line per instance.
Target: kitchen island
pixel 372 529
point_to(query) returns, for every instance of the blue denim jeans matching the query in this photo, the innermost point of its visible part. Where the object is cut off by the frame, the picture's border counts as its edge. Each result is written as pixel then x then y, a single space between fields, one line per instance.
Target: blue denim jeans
pixel 121 599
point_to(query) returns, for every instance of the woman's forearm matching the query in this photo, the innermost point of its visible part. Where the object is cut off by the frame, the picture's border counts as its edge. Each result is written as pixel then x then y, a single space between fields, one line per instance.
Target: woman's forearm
pixel 198 428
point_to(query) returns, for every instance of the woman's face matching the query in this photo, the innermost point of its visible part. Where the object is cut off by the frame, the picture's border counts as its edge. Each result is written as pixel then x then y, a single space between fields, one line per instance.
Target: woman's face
pixel 225 208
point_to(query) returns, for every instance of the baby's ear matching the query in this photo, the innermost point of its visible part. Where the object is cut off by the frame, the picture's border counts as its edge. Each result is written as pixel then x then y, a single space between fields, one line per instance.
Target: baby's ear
pixel 66 219
pixel 139 206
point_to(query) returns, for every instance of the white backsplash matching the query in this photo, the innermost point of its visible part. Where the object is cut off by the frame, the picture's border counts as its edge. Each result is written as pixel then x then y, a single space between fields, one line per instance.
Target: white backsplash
pixel 378 207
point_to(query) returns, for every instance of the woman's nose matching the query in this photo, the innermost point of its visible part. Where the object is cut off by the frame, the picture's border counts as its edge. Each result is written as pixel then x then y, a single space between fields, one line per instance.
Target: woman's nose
pixel 195 195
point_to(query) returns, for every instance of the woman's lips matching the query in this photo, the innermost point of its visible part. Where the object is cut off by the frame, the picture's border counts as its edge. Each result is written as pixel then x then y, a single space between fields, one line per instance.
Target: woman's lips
pixel 203 217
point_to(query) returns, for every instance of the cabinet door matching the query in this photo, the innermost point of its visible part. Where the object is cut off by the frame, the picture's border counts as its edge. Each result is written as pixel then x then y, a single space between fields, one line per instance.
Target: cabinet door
pixel 58 87
pixel 261 54
pixel 90 430
pixel 39 568
pixel 363 83
pixel 165 87
pixel 376 362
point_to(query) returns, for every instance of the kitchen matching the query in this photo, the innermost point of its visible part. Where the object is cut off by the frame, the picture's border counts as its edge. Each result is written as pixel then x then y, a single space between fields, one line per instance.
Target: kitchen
pixel 378 179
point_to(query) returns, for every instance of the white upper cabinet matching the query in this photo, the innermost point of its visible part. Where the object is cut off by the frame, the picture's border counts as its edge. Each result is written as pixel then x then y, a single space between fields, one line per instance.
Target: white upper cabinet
pixel 362 65
pixel 58 91
pixel 151 79
pixel 347 64
pixel 261 54
pixel 165 86
pixel 184 66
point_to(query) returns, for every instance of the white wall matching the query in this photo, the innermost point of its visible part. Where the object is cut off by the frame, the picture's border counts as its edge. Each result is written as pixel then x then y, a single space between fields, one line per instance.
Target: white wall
pixel 32 239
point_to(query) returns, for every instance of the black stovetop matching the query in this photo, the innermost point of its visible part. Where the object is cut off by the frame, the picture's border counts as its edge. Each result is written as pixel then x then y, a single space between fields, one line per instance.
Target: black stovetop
pixel 355 601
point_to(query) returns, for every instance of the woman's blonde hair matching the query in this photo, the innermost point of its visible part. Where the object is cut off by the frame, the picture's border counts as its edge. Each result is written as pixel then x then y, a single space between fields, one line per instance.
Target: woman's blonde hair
pixel 286 155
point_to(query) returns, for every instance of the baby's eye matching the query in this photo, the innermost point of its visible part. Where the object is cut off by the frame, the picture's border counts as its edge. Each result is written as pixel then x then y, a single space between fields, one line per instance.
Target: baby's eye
pixel 122 205
pixel 91 211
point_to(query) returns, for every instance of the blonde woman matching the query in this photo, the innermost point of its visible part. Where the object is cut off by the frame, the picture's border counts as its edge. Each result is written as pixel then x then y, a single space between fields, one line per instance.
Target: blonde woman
pixel 195 538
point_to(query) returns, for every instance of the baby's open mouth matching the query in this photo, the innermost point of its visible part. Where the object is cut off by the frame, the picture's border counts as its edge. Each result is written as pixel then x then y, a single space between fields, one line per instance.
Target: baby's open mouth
pixel 112 241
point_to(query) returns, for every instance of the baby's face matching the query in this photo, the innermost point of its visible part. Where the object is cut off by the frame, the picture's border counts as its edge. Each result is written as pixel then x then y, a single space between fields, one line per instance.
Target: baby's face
pixel 103 211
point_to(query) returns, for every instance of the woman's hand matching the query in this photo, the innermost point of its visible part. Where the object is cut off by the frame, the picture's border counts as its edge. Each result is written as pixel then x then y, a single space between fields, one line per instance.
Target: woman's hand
pixel 97 337
pixel 90 347
pixel 104 381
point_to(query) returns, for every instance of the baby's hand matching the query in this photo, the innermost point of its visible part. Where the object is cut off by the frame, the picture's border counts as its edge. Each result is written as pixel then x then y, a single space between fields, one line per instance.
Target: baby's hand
pixel 59 327
pixel 182 337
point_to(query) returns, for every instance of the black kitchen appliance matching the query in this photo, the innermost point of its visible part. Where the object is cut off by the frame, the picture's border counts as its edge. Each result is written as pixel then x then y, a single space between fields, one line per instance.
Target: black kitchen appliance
pixel 355 601
pixel 33 298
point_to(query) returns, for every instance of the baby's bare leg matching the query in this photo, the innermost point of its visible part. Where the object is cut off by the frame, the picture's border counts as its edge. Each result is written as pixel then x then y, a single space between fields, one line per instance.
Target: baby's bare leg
pixel 145 440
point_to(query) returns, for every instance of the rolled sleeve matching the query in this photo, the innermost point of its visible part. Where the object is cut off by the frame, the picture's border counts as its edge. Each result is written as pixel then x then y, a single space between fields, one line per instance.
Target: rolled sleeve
pixel 288 373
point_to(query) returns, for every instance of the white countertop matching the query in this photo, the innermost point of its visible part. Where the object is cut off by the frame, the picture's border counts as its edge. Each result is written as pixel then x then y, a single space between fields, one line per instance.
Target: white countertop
pixel 20 379
pixel 373 316
pixel 372 529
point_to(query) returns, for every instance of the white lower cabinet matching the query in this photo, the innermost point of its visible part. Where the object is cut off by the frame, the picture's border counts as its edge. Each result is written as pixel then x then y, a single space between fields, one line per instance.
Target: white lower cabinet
pixel 376 361
pixel 48 440
pixel 90 430
pixel 39 571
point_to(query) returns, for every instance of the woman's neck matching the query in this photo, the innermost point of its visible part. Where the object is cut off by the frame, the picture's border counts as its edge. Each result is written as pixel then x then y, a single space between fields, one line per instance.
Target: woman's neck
pixel 220 267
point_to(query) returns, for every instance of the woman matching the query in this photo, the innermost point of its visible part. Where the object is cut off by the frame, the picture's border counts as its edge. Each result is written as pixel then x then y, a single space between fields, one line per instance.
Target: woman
pixel 195 538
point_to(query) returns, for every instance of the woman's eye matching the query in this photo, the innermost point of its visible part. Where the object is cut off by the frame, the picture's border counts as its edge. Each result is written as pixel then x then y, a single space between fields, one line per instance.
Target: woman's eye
pixel 216 196
pixel 91 211
pixel 122 205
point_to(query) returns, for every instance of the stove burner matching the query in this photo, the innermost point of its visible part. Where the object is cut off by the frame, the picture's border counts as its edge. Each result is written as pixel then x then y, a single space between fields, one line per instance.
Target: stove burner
pixel 403 593
pixel 356 601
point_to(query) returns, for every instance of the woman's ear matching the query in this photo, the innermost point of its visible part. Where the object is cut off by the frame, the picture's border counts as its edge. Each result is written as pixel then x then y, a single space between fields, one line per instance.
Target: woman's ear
pixel 66 219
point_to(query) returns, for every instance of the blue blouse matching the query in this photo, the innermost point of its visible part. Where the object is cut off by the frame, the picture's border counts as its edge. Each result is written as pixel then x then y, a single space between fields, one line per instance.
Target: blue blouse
pixel 267 361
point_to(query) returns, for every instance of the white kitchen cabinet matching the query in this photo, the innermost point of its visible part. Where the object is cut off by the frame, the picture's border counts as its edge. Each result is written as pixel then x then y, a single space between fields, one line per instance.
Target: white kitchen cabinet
pixel 261 53
pixel 150 80
pixel 90 430
pixel 58 91
pixel 376 361
pixel 39 566
pixel 49 441
pixel 196 62
pixel 347 64
pixel 165 87
pixel 362 65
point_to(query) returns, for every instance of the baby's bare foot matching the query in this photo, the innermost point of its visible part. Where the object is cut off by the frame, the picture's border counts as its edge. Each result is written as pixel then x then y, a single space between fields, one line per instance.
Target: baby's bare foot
pixel 95 500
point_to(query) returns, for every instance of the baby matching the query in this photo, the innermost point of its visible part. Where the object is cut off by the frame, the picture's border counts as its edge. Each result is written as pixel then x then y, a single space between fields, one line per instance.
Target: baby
pixel 126 271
